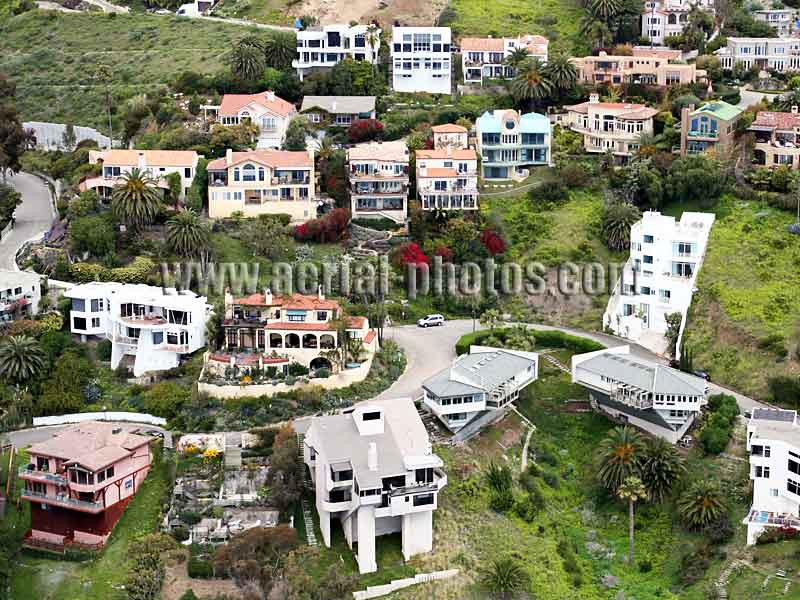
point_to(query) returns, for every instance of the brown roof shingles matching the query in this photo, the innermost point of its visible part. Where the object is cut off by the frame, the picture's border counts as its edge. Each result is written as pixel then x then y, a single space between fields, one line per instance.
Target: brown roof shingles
pixel 784 121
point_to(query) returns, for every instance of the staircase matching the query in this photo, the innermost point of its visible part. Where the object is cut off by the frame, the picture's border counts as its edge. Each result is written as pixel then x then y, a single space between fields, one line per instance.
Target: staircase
pixel 555 362
pixel 233 450
pixel 436 432
pixel 303 476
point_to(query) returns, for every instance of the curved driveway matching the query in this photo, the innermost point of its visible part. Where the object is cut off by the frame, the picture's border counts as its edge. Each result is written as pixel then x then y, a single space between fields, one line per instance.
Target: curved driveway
pixel 431 350
pixel 32 218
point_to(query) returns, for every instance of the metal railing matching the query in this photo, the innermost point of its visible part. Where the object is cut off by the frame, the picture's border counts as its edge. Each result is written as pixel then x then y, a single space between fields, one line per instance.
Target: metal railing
pixel 63 500
pixel 26 471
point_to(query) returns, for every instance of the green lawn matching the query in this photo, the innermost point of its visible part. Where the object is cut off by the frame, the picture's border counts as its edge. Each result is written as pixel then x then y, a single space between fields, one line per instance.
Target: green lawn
pixel 99 578
pixel 53 56
pixel 746 314
pixel 274 12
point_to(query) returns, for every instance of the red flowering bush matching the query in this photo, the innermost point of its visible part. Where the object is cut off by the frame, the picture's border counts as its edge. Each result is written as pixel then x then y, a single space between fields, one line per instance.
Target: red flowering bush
pixel 365 130
pixel 445 252
pixel 410 253
pixel 493 243
pixel 326 229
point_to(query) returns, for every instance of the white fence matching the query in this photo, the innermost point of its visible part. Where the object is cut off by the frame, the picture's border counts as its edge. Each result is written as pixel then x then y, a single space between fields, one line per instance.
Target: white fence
pixel 131 417
pixel 376 591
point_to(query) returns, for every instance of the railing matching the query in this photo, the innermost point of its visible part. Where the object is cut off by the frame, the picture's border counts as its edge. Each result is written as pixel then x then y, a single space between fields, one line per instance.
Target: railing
pixel 706 134
pixel 289 180
pixel 123 339
pixel 43 475
pixel 63 500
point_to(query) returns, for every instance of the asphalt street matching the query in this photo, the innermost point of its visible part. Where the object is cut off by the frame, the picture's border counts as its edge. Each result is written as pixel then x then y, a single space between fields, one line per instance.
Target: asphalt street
pixel 33 217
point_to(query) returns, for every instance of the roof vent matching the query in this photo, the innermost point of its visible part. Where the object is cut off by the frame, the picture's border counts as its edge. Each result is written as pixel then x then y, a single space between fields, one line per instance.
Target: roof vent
pixel 116 430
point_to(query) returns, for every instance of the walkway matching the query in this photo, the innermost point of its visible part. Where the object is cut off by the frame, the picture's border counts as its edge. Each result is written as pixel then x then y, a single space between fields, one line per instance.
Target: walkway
pixel 33 217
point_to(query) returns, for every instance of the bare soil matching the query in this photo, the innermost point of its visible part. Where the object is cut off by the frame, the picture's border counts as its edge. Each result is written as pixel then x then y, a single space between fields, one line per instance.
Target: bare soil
pixel 177 581
pixel 386 12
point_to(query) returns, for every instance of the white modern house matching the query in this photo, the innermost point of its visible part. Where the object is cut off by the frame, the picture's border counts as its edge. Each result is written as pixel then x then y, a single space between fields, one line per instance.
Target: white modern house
pixel 20 295
pixel 270 113
pixel 421 59
pixel 659 276
pixel 663 18
pixel 378 177
pixel 479 387
pixel 323 47
pixel 780 54
pixel 782 20
pixel 650 396
pixel 153 326
pixel 374 471
pixel 509 143
pixel 773 442
pixel 484 58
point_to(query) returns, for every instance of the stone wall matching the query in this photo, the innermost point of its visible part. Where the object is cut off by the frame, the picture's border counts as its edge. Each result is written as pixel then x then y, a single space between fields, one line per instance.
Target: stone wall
pixel 376 591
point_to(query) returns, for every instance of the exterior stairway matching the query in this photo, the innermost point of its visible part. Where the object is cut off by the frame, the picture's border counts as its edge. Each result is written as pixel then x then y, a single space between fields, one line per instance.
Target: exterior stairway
pixel 302 474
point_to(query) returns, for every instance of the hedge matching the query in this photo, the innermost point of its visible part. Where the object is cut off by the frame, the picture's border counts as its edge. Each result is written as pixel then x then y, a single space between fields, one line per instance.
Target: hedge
pixel 545 339
pixel 136 272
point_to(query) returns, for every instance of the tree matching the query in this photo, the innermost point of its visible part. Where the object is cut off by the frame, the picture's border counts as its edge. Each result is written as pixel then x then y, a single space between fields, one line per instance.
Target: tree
pixel 247 58
pixel 93 234
pixel 618 217
pixel 621 453
pixel 21 358
pixel 672 333
pixel 596 31
pixel 505 578
pixel 702 504
pixel 696 178
pixel 632 490
pixel 188 233
pixel 14 140
pixel 605 9
pixel 561 72
pixel 267 237
pixel 136 200
pixel 516 57
pixel 63 392
pixel 335 584
pixel 283 479
pixel 68 138
pixel 280 48
pixel 531 82
pixel 364 130
pixel 661 467
pixel 296 133
pixel 490 318
pixel 175 188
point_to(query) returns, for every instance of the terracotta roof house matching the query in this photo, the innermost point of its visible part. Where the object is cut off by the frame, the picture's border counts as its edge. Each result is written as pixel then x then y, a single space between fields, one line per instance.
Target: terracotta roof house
pixel 450 134
pixel 80 481
pixel 644 66
pixel 378 177
pixel 484 58
pixel 261 182
pixel 270 113
pixel 447 178
pixel 777 138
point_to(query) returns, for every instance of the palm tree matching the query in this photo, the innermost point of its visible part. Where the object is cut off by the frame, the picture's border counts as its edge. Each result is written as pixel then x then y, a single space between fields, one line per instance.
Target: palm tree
pixel 631 490
pixel 531 82
pixel 136 200
pixel 596 31
pixel 702 503
pixel 605 9
pixel 373 39
pixel 620 456
pixel 325 152
pixel 505 578
pixel 187 233
pixel 660 468
pixel 649 144
pixel 617 221
pixel 21 358
pixel 280 49
pixel 561 72
pixel 516 57
pixel 614 94
pixel 247 58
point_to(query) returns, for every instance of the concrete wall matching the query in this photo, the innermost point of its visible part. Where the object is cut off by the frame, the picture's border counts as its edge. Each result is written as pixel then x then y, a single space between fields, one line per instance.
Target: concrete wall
pixel 376 591
pixel 131 417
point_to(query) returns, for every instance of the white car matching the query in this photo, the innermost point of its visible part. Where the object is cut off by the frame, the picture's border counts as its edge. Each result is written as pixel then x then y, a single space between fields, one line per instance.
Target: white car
pixel 431 321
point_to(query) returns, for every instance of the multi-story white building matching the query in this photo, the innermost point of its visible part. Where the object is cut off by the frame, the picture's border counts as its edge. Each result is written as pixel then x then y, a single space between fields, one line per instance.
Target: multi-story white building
pixel 651 66
pixel 374 470
pixel 265 110
pixel 782 20
pixel 659 277
pixel 648 395
pixel 421 59
pixel 262 182
pixel 450 134
pixel 773 442
pixel 478 387
pixel 779 54
pixel 509 143
pixel 153 325
pixel 323 47
pixel 447 178
pixel 610 126
pixel 484 58
pixel 20 294
pixel 156 163
pixel 378 176
pixel 663 18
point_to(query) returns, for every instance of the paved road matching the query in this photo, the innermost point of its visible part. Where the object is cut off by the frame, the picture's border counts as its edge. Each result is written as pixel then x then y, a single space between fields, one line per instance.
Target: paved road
pixel 33 217
pixel 431 350
pixel 750 97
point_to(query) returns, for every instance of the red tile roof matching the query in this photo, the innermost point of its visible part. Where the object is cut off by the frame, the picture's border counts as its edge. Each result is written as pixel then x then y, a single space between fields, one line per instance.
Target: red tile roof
pixel 269 158
pixel 482 44
pixel 294 301
pixel 448 128
pixel 298 326
pixel 232 103
pixel 777 120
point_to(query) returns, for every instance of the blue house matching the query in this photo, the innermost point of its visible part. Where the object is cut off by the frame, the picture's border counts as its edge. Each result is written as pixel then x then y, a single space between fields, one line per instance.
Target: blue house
pixel 508 143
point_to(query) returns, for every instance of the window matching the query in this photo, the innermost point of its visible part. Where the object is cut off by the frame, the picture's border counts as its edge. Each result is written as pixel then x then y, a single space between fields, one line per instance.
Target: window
pixel 187 172
pixel 97 305
pixel 158 337
pixel 42 464
pixel 627 310
pixel 794 467
pixel 371 416
pixel 773 492
pixel 648 260
pixel 793 487
pixel 78 304
pixel 424 475
pixel 648 239
pixel 762 472
pixel 79 323
pixel 95 323
pixel 110 472
pixel 322 315
pixel 297 316
pixel 249 173
pixel 664 296
pixel 423 500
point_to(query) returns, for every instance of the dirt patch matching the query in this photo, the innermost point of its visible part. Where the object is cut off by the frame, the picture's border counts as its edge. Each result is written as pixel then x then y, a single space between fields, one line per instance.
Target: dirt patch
pixel 386 12
pixel 177 581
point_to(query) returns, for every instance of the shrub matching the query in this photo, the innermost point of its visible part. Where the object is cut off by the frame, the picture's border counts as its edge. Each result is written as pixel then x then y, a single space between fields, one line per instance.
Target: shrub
pixel 492 241
pixel 551 479
pixel 785 390
pixel 297 370
pixel 502 500
pixel 365 130
pixel 104 350
pixel 410 253
pixel 326 229
pixel 181 534
pixel 645 566
pixel 199 568
pixel 190 517
pixel 776 534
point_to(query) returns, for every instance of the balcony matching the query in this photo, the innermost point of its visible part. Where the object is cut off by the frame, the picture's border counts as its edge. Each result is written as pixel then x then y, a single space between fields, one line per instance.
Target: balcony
pixel 763 517
pixel 290 180
pixel 711 135
pixel 31 473
pixel 64 501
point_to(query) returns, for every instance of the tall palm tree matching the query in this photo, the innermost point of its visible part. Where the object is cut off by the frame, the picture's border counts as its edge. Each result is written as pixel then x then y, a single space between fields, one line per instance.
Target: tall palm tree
pixel 187 233
pixel 596 31
pixel 531 82
pixel 617 221
pixel 632 490
pixel 21 358
pixel 516 57
pixel 505 578
pixel 614 94
pixel 561 72
pixel 136 199
pixel 620 456
pixel 661 468
pixel 373 39
pixel 702 503
pixel 605 9
pixel 247 58
pixel 280 48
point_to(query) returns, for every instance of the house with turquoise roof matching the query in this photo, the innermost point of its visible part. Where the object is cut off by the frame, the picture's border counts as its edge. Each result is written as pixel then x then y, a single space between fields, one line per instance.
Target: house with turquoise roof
pixel 509 143
pixel 710 127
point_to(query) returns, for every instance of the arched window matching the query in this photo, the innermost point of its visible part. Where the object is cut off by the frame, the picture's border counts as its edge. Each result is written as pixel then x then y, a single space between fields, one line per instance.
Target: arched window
pixel 672 19
pixel 249 173
pixel 309 340
pixel 292 340
pixel 275 340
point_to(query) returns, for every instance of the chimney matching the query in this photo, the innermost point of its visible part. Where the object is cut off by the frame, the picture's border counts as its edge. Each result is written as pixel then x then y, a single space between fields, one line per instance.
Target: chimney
pixel 271 96
pixel 794 109
pixel 333 106
pixel 141 161
pixel 320 294
pixel 228 156
pixel 594 98
pixel 372 457
pixel 267 296
pixel 228 304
